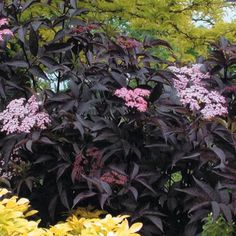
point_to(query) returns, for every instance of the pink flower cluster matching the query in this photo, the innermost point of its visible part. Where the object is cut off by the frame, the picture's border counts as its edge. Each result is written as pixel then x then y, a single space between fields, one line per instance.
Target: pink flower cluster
pixel 21 117
pixel 113 177
pixel 230 89
pixel 128 43
pixel 193 93
pixel 78 167
pixel 4 32
pixel 81 29
pixel 134 98
pixel 87 165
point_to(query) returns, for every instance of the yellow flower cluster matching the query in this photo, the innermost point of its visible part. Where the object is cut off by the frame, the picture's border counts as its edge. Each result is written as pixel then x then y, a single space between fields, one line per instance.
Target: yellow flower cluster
pixel 14 222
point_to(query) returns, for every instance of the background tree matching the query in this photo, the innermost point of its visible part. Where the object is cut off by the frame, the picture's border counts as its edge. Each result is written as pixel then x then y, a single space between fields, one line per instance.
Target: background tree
pixel 190 25
pixel 178 21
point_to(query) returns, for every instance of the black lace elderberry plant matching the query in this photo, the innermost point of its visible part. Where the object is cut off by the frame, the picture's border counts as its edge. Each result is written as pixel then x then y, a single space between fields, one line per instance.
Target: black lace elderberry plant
pixel 97 150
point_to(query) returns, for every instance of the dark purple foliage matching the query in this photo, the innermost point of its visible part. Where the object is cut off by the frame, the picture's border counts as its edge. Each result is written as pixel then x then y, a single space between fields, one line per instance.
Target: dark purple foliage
pixel 93 132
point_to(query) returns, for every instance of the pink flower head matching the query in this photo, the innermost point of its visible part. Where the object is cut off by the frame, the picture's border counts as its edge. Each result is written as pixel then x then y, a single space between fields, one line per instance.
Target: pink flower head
pixel 80 29
pixel 113 177
pixel 194 94
pixel 78 167
pixel 4 32
pixel 142 92
pixel 121 93
pixel 3 21
pixel 87 165
pixel 21 117
pixel 92 27
pixel 230 89
pixel 128 43
pixel 134 98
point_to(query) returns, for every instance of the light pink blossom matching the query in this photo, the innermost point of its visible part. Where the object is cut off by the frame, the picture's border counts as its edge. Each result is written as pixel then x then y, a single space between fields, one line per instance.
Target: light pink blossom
pixel 4 32
pixel 21 116
pixel 134 98
pixel 141 92
pixel 3 21
pixel 190 84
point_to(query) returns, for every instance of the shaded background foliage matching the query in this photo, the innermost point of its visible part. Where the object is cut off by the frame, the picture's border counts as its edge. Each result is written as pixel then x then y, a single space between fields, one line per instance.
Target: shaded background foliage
pixel 188 25
pixel 178 167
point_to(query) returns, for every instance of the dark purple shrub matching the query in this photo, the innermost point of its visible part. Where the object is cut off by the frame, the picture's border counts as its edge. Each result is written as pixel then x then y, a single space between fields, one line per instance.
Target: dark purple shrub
pixel 163 164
